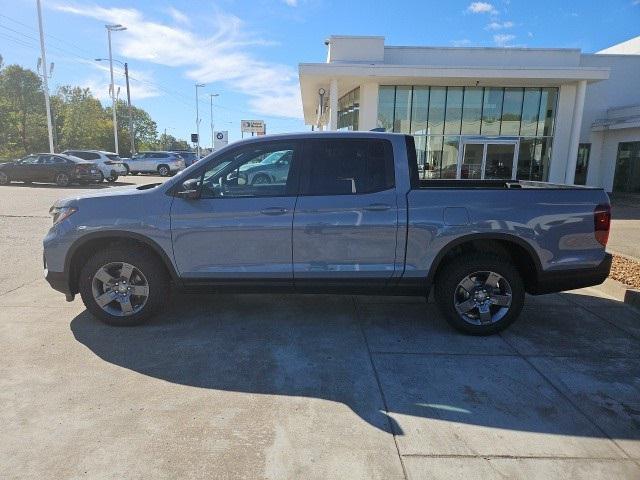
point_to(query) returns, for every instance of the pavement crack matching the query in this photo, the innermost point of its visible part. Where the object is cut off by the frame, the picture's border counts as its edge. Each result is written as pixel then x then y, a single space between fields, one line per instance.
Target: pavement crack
pixel 379 383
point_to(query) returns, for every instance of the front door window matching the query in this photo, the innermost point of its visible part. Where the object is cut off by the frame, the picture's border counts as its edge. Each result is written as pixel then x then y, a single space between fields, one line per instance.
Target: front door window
pixel 499 161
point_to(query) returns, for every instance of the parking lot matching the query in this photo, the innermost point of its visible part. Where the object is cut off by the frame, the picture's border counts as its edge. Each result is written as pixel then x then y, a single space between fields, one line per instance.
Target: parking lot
pixel 277 386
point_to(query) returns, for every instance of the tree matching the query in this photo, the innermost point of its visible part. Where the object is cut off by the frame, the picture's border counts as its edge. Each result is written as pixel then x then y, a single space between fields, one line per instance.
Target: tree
pixel 23 121
pixel 81 121
pixel 144 128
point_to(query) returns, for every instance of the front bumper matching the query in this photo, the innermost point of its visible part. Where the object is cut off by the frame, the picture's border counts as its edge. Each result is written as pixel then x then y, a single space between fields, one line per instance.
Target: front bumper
pixel 58 281
pixel 561 280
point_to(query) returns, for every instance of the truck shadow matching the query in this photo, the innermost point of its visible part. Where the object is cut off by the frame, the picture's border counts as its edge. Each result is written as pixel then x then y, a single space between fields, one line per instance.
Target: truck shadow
pixel 352 351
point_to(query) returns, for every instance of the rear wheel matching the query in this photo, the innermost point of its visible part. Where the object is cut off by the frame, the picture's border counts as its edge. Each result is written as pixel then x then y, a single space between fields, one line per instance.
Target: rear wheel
pixel 62 180
pixel 260 179
pixel 479 294
pixel 123 286
pixel 126 167
pixel 164 171
pixel 4 179
pixel 113 178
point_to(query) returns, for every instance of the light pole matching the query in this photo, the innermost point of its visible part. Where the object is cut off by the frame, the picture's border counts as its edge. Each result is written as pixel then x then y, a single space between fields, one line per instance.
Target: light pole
pixel 44 78
pixel 198 85
pixel 126 76
pixel 211 95
pixel 113 28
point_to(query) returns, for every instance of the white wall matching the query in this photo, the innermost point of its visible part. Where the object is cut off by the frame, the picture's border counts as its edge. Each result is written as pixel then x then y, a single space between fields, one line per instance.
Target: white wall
pixel 620 90
pixel 562 133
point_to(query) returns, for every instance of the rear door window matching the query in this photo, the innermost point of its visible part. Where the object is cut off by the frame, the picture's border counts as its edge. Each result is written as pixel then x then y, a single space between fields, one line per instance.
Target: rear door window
pixel 347 166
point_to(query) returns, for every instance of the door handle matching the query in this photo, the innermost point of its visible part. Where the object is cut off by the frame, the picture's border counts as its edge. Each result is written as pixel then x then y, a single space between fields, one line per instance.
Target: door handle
pixel 377 207
pixel 274 211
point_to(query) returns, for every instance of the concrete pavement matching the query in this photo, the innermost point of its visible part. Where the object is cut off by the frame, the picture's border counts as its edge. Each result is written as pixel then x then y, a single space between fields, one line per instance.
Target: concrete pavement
pixel 276 386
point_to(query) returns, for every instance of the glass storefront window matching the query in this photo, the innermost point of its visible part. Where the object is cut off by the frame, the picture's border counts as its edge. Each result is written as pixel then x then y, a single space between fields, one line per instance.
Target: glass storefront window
pixel 420 110
pixel 450 156
pixel 386 106
pixel 439 117
pixel 402 115
pixel 511 111
pixel 437 102
pixel 627 174
pixel 582 164
pixel 547 113
pixel 349 110
pixel 453 112
pixel 472 110
pixel 434 157
pixel 530 109
pixel 491 111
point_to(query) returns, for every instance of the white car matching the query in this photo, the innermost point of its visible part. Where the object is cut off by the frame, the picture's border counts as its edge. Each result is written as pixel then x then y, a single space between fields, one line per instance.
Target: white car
pixel 109 163
pixel 162 163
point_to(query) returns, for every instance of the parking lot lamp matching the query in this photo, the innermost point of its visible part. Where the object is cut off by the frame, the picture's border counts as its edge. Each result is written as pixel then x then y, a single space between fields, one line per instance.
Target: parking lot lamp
pixel 211 95
pixel 198 85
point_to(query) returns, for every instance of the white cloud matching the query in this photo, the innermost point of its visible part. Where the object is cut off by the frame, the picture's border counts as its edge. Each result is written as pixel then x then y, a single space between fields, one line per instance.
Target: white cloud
pixel 500 25
pixel 140 83
pixel 223 56
pixel 503 39
pixel 465 42
pixel 178 16
pixel 482 7
pixel 291 3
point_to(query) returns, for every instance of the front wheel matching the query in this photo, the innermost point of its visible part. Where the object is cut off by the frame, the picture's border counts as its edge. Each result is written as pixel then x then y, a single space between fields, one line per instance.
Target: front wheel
pixel 4 179
pixel 113 178
pixel 62 180
pixel 164 171
pixel 123 286
pixel 479 294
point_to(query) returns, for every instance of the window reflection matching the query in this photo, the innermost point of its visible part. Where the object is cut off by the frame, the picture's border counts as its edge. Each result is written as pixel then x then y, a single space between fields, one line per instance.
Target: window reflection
pixel 491 111
pixel 437 103
pixel 511 111
pixel 472 110
pixel 453 114
pixel 402 114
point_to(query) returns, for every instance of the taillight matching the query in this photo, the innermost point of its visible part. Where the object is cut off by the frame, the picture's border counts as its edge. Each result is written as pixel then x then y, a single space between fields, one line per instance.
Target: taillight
pixel 602 223
pixel 109 162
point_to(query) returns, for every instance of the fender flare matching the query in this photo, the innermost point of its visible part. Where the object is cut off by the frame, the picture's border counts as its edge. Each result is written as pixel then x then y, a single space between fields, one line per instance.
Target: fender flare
pixel 483 236
pixel 121 234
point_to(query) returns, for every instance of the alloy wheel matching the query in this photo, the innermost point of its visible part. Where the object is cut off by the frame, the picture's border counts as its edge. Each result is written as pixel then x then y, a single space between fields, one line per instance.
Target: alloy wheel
pixel 62 179
pixel 120 289
pixel 4 179
pixel 482 298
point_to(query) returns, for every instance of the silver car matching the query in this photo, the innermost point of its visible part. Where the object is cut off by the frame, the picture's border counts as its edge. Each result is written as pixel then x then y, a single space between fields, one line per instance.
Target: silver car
pixel 161 163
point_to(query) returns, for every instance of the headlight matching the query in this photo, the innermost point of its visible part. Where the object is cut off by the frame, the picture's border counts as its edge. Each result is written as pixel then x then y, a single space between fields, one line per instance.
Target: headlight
pixel 60 213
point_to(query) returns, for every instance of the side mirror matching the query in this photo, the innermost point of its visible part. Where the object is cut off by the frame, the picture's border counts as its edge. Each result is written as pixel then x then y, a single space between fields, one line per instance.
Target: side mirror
pixel 190 189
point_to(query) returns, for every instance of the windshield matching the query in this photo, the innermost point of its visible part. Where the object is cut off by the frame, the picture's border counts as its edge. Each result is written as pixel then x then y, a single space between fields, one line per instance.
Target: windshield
pixel 273 158
pixel 113 157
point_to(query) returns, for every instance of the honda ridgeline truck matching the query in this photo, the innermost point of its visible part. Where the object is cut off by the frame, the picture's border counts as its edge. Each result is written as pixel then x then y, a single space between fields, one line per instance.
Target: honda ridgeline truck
pixel 351 215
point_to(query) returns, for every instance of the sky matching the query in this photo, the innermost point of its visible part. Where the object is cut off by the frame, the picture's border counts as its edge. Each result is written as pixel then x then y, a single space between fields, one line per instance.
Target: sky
pixel 248 52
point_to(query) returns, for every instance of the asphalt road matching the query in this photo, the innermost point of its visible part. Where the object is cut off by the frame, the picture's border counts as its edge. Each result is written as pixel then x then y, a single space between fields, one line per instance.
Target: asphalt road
pixel 273 386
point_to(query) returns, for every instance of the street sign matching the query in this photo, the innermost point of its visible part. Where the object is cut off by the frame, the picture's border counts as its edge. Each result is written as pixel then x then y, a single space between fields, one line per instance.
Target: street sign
pixel 221 139
pixel 252 126
pixel 194 138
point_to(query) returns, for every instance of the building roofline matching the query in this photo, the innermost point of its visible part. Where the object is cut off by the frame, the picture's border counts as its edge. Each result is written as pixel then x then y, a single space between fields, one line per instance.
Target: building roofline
pixel 449 47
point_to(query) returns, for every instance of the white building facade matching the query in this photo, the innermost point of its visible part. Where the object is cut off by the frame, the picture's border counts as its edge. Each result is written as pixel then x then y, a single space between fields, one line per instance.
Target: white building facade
pixel 553 115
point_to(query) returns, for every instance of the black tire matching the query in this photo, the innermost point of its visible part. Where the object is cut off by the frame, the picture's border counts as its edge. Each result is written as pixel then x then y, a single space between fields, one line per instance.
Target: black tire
pixel 101 178
pixel 62 180
pixel 4 179
pixel 113 178
pixel 164 170
pixel 126 167
pixel 144 261
pixel 447 291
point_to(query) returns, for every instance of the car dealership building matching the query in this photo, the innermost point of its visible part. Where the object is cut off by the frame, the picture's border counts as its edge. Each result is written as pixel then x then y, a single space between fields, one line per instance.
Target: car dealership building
pixel 555 115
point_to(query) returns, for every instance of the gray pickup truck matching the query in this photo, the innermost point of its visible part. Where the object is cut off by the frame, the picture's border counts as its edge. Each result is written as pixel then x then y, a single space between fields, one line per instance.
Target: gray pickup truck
pixel 351 215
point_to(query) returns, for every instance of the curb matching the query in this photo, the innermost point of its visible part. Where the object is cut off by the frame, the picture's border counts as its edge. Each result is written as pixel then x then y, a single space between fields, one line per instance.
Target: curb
pixel 620 291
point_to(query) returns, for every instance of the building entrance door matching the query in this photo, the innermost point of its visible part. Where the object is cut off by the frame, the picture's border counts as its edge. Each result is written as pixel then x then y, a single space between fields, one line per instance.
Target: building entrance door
pixel 488 159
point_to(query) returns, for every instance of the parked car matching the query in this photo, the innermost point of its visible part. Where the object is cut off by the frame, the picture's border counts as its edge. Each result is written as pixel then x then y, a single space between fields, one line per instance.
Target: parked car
pixel 49 168
pixel 273 168
pixel 189 157
pixel 351 215
pixel 110 164
pixel 162 163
